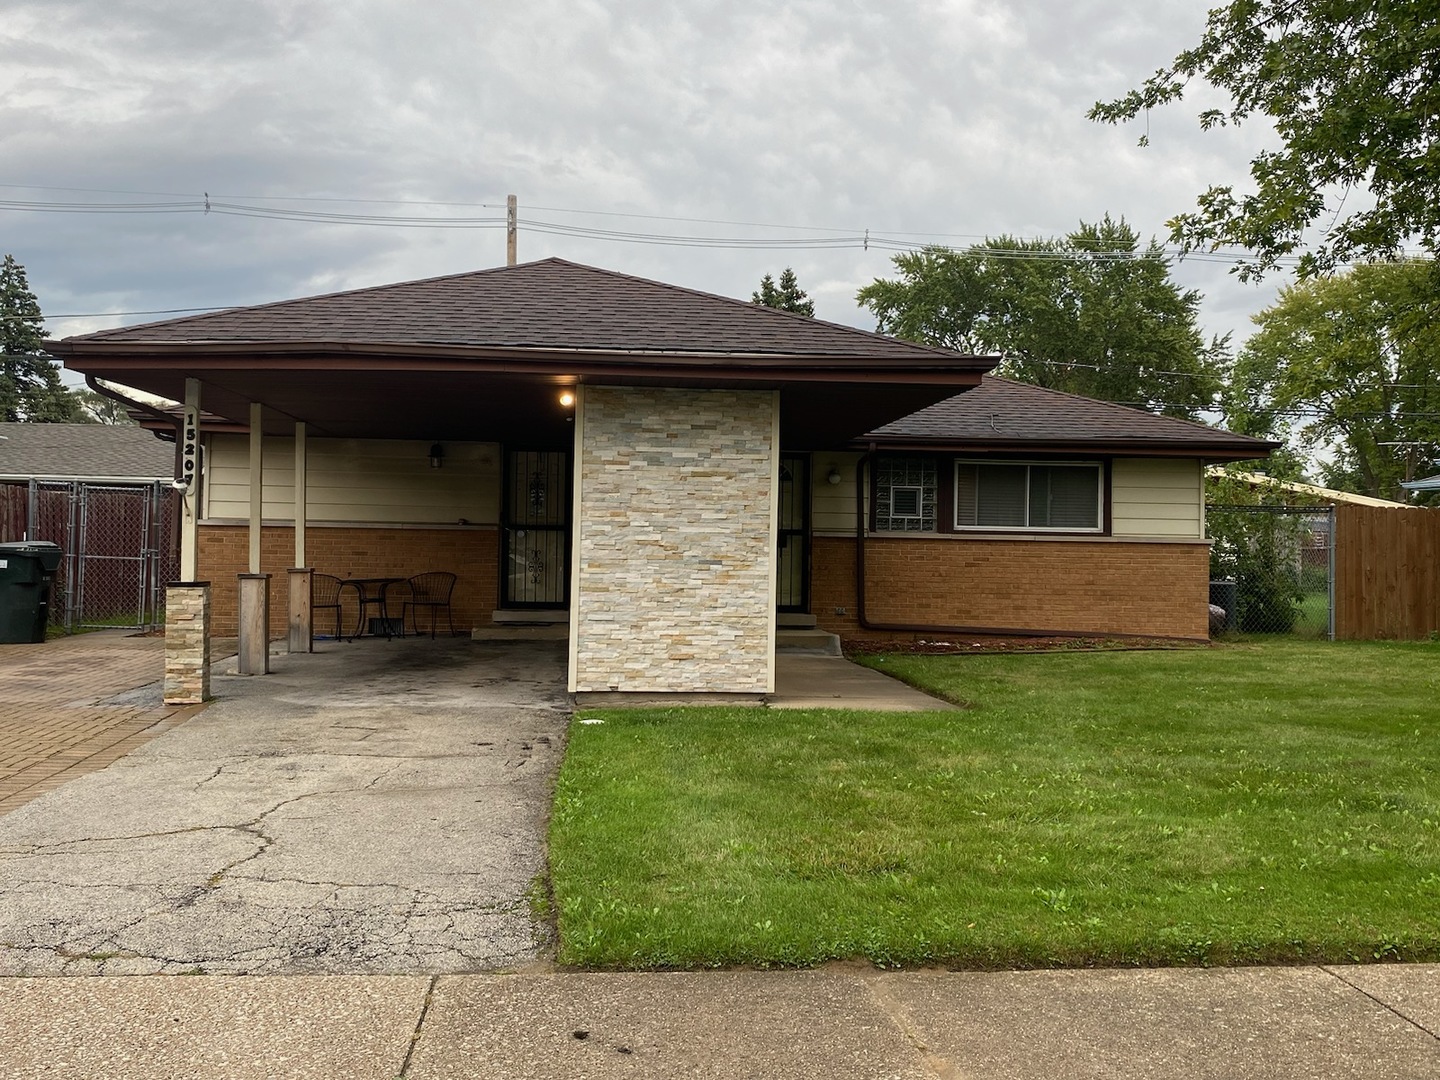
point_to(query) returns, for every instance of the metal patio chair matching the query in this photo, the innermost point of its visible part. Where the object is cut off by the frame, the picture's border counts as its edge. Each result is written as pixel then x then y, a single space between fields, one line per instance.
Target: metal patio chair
pixel 325 596
pixel 429 590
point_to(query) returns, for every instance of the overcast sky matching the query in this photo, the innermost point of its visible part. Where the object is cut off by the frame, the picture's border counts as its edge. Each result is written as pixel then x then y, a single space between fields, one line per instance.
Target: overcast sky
pixel 938 121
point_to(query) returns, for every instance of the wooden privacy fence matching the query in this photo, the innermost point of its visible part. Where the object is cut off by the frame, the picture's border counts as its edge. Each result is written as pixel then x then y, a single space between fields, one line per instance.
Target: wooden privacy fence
pixel 1387 572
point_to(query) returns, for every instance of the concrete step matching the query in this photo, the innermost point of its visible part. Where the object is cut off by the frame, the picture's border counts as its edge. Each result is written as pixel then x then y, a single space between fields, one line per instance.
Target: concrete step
pixel 530 616
pixel 811 642
pixel 520 632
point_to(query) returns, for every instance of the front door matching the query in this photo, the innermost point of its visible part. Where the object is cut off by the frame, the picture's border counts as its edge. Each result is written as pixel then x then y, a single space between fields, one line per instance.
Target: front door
pixel 535 530
pixel 792 579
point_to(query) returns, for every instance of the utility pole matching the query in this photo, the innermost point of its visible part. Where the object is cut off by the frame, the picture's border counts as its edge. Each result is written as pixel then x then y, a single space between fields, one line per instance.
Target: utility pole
pixel 510 229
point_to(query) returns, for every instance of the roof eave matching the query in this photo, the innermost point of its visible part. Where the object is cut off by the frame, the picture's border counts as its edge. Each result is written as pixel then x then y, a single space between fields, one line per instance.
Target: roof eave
pixel 1207 451
pixel 184 353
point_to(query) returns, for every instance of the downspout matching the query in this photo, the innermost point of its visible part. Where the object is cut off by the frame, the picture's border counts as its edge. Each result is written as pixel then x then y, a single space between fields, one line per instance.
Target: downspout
pixel 861 486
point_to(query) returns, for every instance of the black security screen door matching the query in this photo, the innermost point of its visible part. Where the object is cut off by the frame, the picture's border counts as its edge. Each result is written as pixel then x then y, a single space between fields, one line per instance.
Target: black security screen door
pixel 535 530
pixel 792 580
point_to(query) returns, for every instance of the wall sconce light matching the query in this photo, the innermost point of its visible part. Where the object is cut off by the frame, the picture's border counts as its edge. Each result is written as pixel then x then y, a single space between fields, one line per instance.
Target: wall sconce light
pixel 833 476
pixel 567 398
pixel 437 455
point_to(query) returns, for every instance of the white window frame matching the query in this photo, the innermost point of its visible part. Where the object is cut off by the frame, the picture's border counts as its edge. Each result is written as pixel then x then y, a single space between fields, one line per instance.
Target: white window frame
pixel 1097 466
pixel 919 491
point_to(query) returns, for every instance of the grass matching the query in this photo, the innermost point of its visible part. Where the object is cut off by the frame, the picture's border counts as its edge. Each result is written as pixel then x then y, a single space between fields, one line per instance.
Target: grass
pixel 1257 803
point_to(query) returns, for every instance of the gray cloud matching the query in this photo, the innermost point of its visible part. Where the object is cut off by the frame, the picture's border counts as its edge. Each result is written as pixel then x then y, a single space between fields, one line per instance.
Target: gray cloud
pixel 944 119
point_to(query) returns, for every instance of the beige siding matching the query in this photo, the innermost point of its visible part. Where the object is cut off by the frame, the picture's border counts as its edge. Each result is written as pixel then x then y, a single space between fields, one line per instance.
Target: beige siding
pixel 832 506
pixel 380 481
pixel 1157 497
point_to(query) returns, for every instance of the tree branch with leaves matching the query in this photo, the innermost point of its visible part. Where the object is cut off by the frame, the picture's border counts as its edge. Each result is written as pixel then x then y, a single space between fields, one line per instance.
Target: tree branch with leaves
pixel 1352 87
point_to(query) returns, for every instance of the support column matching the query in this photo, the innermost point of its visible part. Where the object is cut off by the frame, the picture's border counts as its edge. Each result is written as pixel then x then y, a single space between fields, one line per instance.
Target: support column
pixel 675 539
pixel 301 625
pixel 302 615
pixel 254 655
pixel 302 511
pixel 187 642
pixel 190 475
pixel 257 485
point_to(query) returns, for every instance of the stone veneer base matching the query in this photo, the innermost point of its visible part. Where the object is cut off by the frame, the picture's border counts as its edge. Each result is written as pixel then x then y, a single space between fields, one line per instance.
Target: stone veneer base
pixel 187 643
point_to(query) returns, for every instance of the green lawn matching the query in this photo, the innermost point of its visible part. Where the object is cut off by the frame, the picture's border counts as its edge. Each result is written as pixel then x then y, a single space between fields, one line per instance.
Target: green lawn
pixel 1262 802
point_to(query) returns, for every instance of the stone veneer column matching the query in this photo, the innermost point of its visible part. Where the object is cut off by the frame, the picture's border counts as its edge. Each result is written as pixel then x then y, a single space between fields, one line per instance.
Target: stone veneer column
pixel 674 547
pixel 187 642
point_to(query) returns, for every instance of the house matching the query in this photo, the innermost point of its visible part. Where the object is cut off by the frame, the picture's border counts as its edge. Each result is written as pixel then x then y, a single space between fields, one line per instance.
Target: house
pixel 657 467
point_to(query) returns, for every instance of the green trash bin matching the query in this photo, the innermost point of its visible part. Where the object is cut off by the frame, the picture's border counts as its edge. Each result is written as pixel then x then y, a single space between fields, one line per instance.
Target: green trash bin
pixel 26 572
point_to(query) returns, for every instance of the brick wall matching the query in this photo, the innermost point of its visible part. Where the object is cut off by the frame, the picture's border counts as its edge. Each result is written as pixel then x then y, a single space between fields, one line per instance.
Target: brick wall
pixel 675 539
pixel 1099 587
pixel 472 554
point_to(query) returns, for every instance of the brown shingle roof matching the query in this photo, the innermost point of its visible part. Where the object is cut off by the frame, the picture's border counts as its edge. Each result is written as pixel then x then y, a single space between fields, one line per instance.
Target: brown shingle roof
pixel 1003 415
pixel 547 305
pixel 84 451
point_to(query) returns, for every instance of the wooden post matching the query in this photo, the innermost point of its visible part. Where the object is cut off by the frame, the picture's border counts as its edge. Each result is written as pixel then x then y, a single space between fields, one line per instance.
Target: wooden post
pixel 301 636
pixel 254 654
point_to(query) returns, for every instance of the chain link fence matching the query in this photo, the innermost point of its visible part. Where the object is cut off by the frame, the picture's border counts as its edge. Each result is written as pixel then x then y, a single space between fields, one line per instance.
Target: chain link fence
pixel 1272 569
pixel 119 547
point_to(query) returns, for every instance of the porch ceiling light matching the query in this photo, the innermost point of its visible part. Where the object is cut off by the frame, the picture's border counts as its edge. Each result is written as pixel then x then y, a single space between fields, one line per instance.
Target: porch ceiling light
pixel 567 398
pixel 437 455
pixel 833 477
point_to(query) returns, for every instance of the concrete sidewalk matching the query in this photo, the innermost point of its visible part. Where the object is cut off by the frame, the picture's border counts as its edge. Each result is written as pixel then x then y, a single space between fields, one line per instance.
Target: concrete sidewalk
pixel 1376 1022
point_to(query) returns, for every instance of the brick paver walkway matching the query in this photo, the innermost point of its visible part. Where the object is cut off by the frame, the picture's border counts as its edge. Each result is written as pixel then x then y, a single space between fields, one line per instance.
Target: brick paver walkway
pixel 64 710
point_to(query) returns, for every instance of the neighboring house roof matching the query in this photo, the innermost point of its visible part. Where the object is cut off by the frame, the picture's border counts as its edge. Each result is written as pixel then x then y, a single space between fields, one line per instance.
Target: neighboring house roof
pixel 451 356
pixel 84 451
pixel 1429 483
pixel 1001 415
pixel 1327 494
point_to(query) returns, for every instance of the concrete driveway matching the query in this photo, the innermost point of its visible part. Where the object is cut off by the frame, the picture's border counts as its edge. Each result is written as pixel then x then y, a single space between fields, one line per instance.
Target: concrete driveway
pixel 374 807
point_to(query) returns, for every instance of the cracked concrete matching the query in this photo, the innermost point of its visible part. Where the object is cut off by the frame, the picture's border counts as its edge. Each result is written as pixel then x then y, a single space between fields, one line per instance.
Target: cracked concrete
pixel 376 807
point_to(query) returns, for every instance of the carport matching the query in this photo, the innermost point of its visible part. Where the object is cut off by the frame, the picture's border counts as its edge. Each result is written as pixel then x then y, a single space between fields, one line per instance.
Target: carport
pixel 658 414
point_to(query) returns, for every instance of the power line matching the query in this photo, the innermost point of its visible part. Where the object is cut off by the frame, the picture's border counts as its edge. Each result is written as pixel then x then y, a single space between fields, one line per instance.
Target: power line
pixel 204 204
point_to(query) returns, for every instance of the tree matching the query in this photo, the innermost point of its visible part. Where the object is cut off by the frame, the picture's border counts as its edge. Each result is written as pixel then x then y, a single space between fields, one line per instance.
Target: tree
pixel 787 296
pixel 1349 363
pixel 1352 87
pixel 1088 314
pixel 30 386
pixel 99 409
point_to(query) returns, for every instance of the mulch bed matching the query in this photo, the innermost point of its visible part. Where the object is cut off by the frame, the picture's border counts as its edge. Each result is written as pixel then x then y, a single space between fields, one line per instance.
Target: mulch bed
pixel 980 645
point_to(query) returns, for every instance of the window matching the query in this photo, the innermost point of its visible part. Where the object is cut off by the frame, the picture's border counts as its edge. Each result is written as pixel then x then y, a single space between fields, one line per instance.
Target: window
pixel 1027 496
pixel 905 489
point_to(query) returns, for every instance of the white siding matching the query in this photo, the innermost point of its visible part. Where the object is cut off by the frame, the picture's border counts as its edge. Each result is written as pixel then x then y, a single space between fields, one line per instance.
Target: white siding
pixel 832 506
pixel 1157 497
pixel 381 481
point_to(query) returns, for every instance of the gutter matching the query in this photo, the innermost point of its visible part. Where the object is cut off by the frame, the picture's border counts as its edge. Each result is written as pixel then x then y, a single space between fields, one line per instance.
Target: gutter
pixel 861 469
